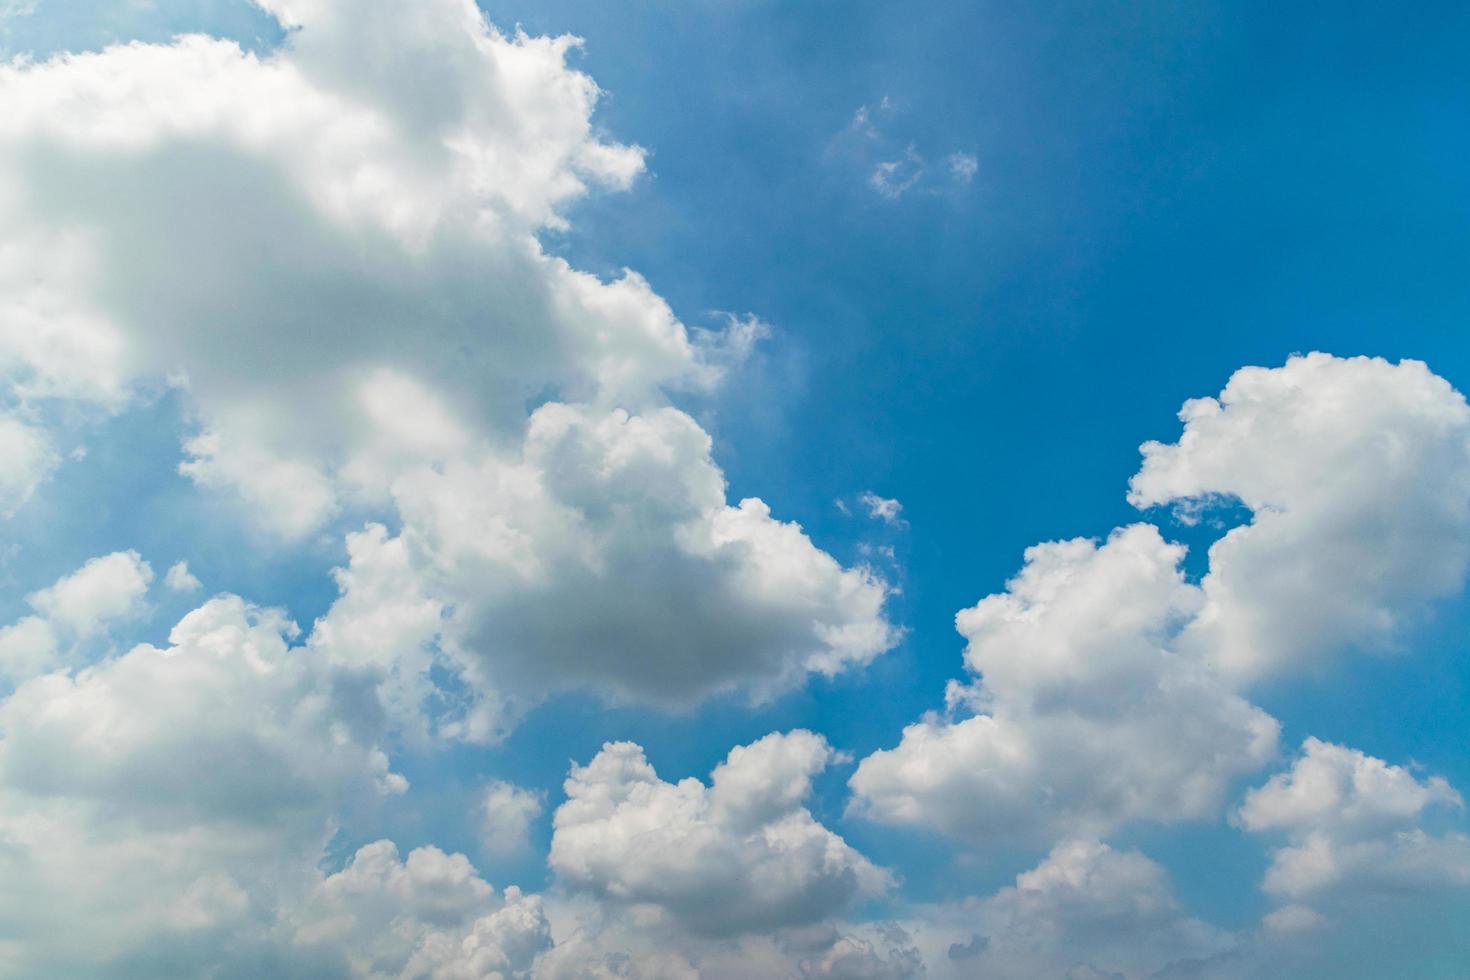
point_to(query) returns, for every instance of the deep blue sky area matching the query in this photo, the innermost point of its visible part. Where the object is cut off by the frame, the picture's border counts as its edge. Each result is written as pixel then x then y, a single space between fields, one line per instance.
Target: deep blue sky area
pixel 1162 193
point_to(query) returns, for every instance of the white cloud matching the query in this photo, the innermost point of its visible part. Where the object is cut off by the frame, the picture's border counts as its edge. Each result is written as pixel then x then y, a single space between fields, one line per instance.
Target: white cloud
pixel 882 509
pixel 330 250
pixel 76 609
pixel 1087 910
pixel 429 916
pixel 26 460
pixel 962 167
pixel 28 647
pixel 894 178
pixel 1357 473
pixel 180 579
pixel 507 813
pixel 330 247
pixel 1090 906
pixel 175 795
pixel 384 622
pixel 1082 716
pixel 104 589
pixel 604 556
pixel 1355 825
pixel 742 854
pixel 1291 920
pixel 889 955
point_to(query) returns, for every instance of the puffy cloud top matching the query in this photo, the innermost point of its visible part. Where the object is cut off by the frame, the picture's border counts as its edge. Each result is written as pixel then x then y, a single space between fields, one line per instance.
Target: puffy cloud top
pixel 331 248
pixel 742 854
pixel 1085 716
pixel 1355 824
pixel 1357 474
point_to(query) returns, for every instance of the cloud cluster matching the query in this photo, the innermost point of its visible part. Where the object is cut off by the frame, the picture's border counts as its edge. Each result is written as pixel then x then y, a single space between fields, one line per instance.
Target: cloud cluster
pixel 1083 715
pixel 426 917
pixel 1108 688
pixel 73 610
pixel 1089 910
pixel 1355 825
pixel 330 248
pixel 332 254
pixel 602 556
pixel 738 855
pixel 1357 475
pixel 331 251
pixel 173 795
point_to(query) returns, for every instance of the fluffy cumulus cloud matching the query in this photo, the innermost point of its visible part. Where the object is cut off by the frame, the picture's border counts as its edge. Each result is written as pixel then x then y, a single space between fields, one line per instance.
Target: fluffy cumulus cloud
pixel 160 805
pixel 1086 910
pixel 1357 475
pixel 740 854
pixel 330 248
pixel 603 555
pixel 508 813
pixel 1083 715
pixel 331 251
pixel 328 256
pixel 427 917
pixel 1356 825
pixel 72 611
pixel 1106 686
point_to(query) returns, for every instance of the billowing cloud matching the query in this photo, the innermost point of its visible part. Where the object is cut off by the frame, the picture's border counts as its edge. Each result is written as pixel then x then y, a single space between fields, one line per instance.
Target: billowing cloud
pixel 72 611
pixel 1083 715
pixel 330 248
pixel 1088 907
pixel 1357 475
pixel 331 251
pixel 738 855
pixel 507 814
pixel 603 556
pixel 1086 910
pixel 1107 685
pixel 427 917
pixel 1355 825
pixel 156 804
pixel 103 589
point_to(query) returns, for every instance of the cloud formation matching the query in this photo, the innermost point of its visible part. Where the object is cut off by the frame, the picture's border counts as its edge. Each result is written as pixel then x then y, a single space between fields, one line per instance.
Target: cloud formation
pixel 738 855
pixel 1083 715
pixel 1347 544
pixel 156 802
pixel 605 557
pixel 1355 825
pixel 331 252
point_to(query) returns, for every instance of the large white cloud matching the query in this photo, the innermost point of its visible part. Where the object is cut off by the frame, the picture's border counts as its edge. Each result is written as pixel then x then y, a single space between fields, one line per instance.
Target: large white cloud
pixel 1356 825
pixel 330 247
pixel 427 917
pixel 165 802
pixel 603 556
pixel 1357 475
pixel 1083 715
pixel 1106 687
pixel 739 855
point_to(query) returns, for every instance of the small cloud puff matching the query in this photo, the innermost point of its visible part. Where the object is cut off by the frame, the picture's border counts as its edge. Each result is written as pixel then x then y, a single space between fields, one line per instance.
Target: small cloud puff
pixel 180 579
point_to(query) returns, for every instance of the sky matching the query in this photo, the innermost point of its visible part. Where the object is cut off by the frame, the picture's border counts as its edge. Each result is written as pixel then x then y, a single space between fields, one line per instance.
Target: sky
pixel 690 489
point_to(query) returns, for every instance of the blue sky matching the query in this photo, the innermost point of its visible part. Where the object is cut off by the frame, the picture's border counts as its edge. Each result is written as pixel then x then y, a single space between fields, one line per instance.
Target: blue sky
pixel 995 249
